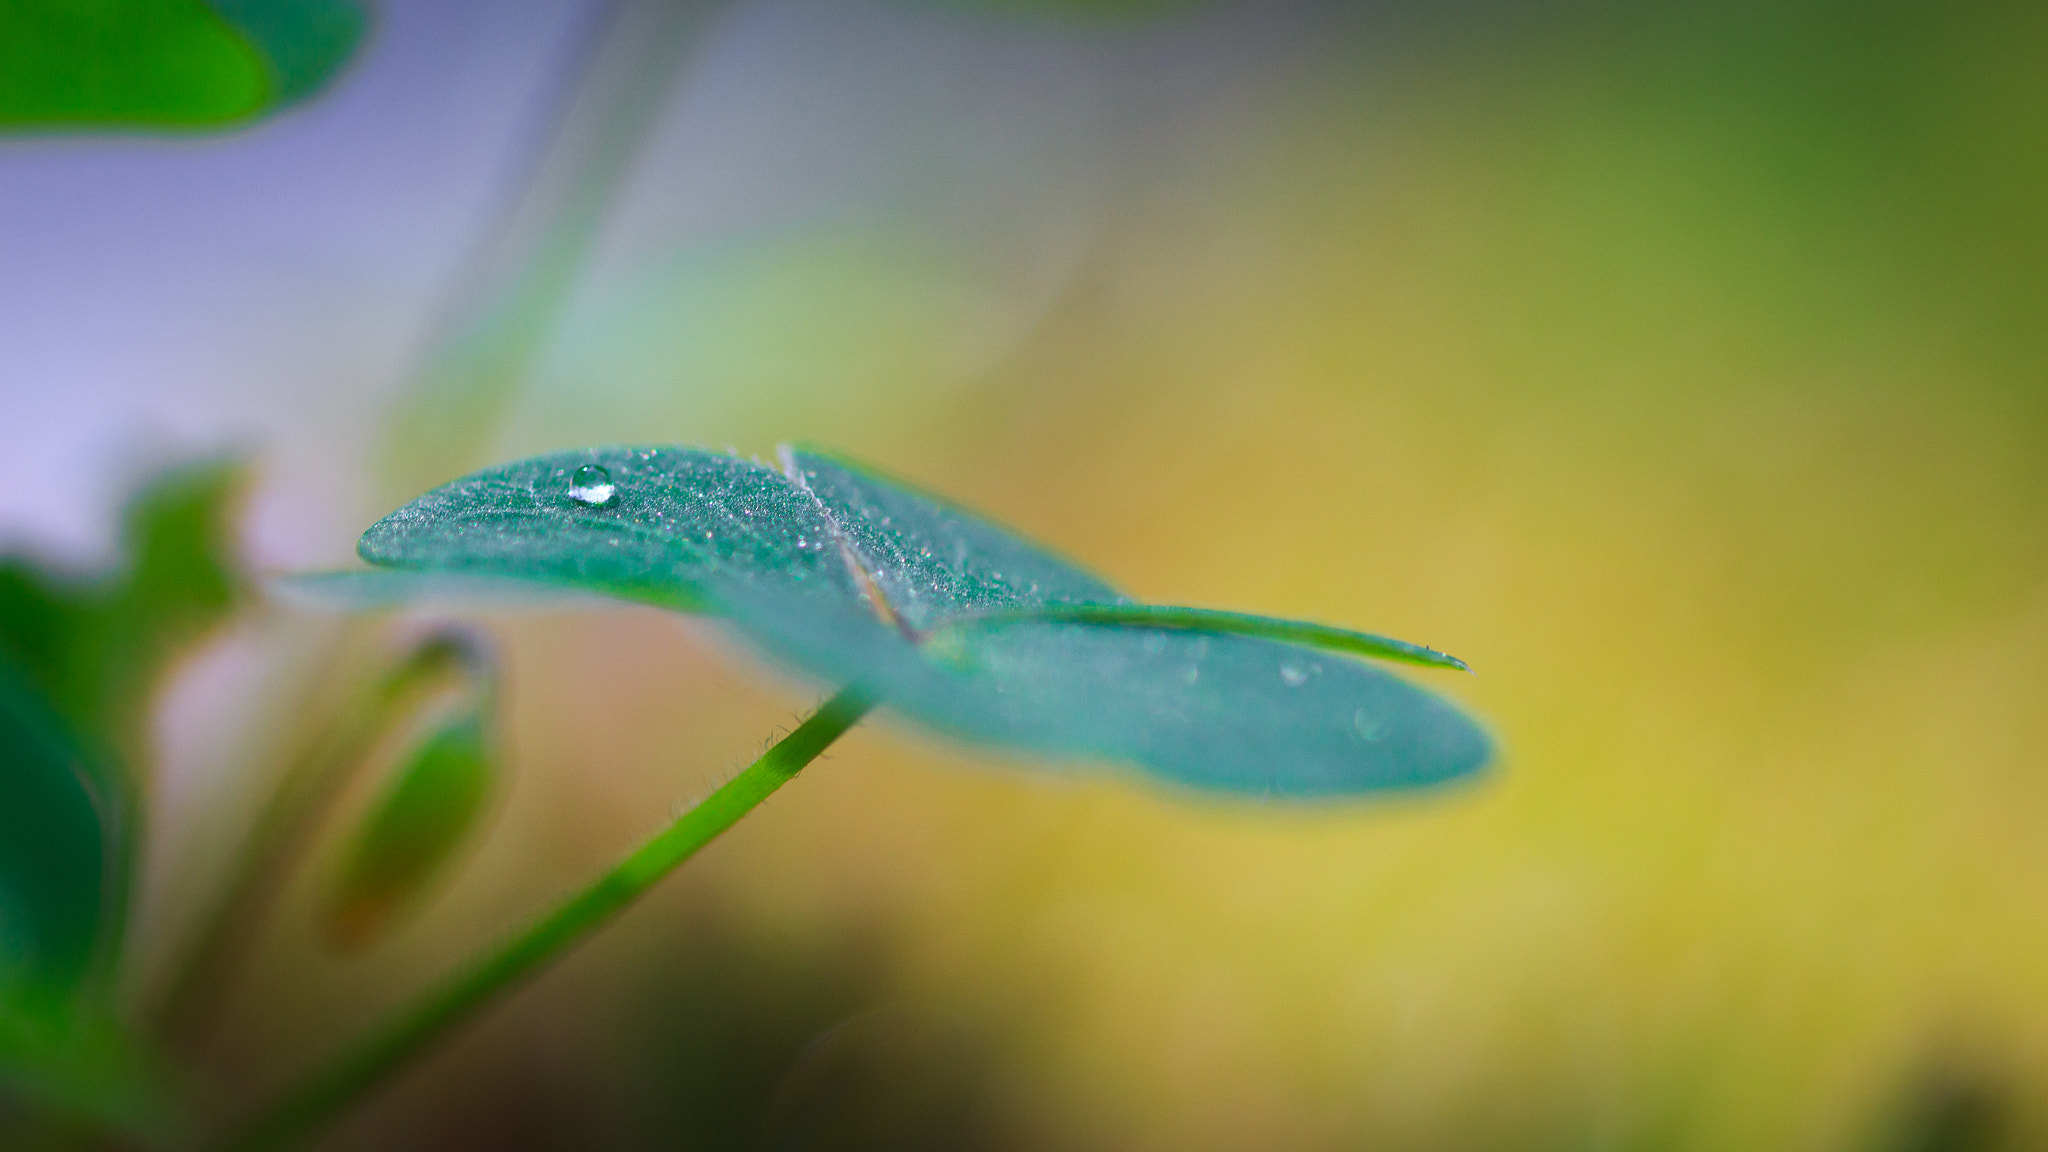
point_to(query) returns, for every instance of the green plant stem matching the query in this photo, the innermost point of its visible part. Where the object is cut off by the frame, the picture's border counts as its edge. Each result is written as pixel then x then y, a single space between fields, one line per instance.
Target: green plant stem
pixel 360 1069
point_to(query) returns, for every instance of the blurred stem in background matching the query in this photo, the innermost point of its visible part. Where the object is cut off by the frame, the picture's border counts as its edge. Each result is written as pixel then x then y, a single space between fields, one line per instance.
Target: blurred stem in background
pixel 608 101
pixel 359 1070
pixel 290 821
pixel 529 257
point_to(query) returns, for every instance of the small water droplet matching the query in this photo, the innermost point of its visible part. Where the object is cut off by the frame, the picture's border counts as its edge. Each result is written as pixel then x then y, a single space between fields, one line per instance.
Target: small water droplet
pixel 1192 674
pixel 1293 675
pixel 1366 727
pixel 592 487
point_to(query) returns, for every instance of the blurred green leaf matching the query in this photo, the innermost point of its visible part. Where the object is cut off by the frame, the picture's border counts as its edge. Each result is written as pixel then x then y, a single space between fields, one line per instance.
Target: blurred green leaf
pixel 303 42
pixel 84 654
pixel 95 644
pixel 66 1067
pixel 850 576
pixel 165 63
pixel 1085 9
pixel 71 1078
pixel 431 807
pixel 54 845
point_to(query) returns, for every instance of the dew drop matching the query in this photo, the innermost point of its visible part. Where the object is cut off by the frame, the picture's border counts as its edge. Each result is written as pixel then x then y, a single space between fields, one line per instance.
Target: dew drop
pixel 1192 674
pixel 1366 727
pixel 592 487
pixel 1293 675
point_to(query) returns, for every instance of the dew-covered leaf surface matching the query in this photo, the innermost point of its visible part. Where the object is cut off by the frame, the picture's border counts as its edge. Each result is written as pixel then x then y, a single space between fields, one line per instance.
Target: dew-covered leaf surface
pixel 676 523
pixel 845 574
pixel 932 560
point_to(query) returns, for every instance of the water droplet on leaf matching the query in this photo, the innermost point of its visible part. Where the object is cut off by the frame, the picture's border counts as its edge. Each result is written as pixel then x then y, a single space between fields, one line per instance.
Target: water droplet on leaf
pixel 592 487
pixel 1293 675
pixel 1366 727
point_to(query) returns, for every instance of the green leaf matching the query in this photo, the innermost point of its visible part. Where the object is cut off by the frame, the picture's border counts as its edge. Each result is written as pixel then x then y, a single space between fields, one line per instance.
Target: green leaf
pixel 69 1071
pixel 304 42
pixel 68 64
pixel 430 809
pixel 1226 712
pixel 96 643
pixel 931 560
pixel 1098 10
pixel 1230 624
pixel 682 525
pixel 54 845
pixel 85 652
pixel 951 619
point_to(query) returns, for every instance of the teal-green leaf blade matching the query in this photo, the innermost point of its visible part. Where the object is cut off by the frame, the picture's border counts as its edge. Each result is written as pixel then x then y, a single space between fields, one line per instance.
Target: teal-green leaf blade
pixel 677 524
pixel 1219 712
pixel 1213 622
pixel 954 621
pixel 1211 711
pixel 931 559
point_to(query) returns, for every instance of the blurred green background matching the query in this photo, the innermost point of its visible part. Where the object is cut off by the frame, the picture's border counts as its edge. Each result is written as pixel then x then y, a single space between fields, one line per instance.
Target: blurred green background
pixel 1683 367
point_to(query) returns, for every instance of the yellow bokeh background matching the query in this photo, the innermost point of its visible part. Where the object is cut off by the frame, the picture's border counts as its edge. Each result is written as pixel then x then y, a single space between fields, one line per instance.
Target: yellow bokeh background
pixel 1682 375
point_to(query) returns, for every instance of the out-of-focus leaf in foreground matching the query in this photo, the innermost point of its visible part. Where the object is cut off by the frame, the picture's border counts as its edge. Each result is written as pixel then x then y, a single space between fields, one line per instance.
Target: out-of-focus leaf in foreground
pixel 54 845
pixel 79 658
pixel 431 807
pixel 304 43
pixel 82 655
pixel 96 644
pixel 1103 11
pixel 166 63
pixel 954 621
pixel 89 1076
